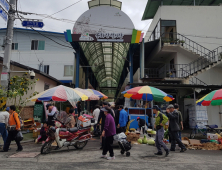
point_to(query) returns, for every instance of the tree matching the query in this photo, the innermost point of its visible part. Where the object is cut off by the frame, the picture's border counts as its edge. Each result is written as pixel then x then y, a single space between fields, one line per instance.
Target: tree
pixel 19 86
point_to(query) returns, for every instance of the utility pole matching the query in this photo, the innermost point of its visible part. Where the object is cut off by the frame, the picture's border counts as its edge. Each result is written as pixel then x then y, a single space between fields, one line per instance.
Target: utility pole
pixel 8 45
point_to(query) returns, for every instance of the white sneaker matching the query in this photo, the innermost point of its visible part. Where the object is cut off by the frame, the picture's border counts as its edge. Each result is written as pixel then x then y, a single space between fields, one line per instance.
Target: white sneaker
pixel 111 158
pixel 103 156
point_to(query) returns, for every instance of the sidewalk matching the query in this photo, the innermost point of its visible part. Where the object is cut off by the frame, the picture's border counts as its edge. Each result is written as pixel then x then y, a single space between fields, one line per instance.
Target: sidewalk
pixel 142 157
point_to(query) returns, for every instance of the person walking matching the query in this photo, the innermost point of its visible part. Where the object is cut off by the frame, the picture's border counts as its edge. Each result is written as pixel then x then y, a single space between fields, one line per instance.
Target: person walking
pixel 108 132
pixel 4 116
pixel 160 121
pixel 117 119
pixel 103 117
pixel 96 116
pixel 13 128
pixel 123 117
pixel 173 116
pixel 176 106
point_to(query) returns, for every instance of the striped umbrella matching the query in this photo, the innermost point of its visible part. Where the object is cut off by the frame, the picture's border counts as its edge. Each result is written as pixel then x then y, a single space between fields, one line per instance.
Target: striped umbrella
pixel 99 94
pixel 60 93
pixel 214 98
pixel 147 93
pixel 90 95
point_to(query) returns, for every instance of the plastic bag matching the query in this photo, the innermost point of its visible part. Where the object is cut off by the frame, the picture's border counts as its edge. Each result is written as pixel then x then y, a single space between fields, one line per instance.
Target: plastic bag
pixel 19 136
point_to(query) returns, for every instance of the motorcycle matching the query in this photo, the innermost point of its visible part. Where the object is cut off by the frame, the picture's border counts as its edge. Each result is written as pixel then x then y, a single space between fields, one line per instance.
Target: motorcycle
pixel 77 137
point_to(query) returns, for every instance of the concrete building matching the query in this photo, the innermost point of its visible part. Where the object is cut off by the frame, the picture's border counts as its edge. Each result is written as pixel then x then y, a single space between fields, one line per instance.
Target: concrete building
pixel 183 51
pixel 45 82
pixel 36 50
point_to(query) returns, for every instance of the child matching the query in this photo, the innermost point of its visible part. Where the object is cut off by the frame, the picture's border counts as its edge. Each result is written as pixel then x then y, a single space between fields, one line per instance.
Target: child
pixel 43 133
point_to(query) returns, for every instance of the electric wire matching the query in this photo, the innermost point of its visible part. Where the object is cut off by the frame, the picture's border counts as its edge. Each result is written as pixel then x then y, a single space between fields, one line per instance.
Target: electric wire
pixel 63 9
pixel 38 31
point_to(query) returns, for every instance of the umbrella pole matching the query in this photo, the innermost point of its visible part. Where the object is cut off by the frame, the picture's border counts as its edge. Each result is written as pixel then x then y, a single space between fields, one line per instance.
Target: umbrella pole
pixel 145 113
pixel 152 114
pixel 60 106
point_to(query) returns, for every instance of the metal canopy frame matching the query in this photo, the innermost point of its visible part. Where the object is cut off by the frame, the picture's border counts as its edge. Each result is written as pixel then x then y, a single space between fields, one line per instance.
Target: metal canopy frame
pixel 107 59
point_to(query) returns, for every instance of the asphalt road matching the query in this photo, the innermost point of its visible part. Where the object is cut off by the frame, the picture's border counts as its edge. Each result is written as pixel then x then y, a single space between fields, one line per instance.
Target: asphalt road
pixel 142 157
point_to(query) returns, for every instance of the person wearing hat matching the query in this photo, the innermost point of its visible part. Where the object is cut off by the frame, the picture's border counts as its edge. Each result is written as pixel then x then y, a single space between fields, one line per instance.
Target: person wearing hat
pixel 174 128
pixel 160 121
pixel 52 113
pixel 4 116
pixel 176 106
pixel 108 132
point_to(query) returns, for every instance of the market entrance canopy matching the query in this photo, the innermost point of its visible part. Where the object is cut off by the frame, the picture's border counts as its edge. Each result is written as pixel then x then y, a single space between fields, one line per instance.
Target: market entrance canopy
pixel 104 33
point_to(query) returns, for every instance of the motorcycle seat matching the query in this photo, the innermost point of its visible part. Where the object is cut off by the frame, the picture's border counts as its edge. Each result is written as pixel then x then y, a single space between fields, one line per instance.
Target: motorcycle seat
pixel 75 129
pixel 63 129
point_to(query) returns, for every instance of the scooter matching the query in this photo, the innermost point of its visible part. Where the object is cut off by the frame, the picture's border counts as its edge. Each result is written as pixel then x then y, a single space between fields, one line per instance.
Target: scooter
pixel 77 137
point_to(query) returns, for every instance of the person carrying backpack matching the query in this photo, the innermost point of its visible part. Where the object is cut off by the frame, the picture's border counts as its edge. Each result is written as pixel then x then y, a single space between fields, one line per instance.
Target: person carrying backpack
pixel 14 126
pixel 160 121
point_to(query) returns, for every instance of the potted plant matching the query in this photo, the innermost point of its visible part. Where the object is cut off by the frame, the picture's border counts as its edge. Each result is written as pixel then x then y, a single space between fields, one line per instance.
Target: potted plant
pixel 172 41
pixel 165 41
pixel 176 41
pixel 182 42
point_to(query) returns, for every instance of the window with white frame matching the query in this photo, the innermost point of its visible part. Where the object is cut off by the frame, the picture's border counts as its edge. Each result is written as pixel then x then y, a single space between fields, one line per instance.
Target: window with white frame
pixel 14 46
pixel 68 70
pixel 37 45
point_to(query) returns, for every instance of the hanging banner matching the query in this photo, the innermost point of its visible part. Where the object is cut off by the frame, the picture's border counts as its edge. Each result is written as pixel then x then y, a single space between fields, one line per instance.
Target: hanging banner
pixel 3 14
pixel 5 5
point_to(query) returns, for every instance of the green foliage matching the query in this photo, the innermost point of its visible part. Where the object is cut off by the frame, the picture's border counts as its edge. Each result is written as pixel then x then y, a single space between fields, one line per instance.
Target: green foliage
pixel 18 87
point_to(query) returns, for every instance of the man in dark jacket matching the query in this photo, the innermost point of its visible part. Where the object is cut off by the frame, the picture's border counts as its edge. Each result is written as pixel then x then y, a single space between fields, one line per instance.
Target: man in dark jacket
pixel 174 128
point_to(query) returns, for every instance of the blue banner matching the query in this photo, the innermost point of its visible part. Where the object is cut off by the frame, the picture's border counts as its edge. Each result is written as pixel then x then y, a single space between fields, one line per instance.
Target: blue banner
pixel 3 14
pixel 5 4
pixel 36 24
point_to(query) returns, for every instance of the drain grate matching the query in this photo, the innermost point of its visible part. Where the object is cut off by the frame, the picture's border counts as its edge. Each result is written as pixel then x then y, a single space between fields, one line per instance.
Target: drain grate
pixel 25 155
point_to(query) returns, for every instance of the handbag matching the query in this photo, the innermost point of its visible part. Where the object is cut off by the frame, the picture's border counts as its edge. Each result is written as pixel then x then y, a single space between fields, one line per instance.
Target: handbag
pixel 19 136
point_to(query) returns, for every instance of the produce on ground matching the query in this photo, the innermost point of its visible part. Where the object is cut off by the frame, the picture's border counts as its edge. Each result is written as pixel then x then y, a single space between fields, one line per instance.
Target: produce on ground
pixel 151 142
pixel 132 136
pixel 140 141
pixel 145 141
pixel 206 146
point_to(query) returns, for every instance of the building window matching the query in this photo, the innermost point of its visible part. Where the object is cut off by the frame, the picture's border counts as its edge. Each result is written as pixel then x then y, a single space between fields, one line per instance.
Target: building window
pixel 38 45
pixel 46 69
pixel 46 86
pixel 68 70
pixel 14 46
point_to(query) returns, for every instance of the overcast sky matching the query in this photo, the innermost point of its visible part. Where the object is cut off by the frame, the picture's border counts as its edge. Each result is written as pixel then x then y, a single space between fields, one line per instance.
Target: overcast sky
pixel 133 8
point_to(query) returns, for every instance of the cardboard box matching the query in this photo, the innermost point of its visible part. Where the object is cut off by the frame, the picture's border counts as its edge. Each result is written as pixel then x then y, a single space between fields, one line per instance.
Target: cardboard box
pixel 211 136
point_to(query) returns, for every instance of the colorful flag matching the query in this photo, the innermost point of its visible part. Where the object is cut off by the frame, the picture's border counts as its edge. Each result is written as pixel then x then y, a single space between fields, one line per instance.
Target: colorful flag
pixel 137 36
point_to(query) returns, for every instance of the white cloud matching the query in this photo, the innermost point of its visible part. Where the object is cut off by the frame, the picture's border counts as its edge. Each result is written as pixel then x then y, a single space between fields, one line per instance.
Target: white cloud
pixel 133 8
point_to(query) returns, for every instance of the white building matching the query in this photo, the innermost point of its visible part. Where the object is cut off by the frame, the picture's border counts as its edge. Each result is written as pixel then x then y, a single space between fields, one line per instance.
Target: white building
pixel 183 51
pixel 37 51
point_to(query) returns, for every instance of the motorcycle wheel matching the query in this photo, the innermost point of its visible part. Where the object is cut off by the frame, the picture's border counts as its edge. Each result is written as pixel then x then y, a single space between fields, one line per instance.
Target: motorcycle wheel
pixel 80 145
pixel 46 147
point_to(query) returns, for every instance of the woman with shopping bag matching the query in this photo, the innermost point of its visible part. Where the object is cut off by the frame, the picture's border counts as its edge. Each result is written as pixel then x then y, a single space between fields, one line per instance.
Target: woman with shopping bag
pixel 14 130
